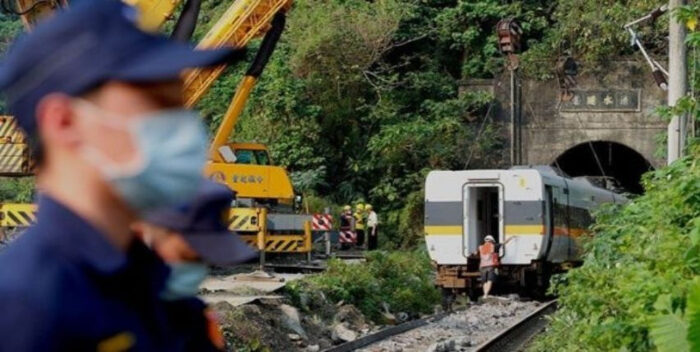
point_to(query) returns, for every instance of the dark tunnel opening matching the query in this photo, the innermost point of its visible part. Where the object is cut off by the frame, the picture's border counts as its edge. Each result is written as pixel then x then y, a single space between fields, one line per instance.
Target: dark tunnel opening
pixel 604 158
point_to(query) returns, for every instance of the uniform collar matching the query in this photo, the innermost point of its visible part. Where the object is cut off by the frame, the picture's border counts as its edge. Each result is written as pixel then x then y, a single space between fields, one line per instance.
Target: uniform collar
pixel 82 243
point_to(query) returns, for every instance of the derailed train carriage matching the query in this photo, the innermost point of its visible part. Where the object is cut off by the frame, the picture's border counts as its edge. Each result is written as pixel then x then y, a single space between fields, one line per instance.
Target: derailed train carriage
pixel 543 210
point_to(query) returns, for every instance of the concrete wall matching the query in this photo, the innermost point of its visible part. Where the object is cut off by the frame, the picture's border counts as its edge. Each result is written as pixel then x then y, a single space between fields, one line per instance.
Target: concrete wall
pixel 549 129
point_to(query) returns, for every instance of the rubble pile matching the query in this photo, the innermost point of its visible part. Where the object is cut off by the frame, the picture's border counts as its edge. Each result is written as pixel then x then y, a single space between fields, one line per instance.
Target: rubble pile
pixel 274 325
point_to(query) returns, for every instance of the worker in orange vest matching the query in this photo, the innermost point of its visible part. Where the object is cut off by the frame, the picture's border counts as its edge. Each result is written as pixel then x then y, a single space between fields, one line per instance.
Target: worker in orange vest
pixel 489 261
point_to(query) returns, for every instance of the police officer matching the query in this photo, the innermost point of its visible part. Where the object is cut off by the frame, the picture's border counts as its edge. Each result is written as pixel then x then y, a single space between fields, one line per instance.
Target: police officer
pixel 188 238
pixel 101 104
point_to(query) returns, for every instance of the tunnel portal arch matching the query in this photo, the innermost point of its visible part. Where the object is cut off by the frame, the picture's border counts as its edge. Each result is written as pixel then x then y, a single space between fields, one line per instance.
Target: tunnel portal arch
pixel 605 158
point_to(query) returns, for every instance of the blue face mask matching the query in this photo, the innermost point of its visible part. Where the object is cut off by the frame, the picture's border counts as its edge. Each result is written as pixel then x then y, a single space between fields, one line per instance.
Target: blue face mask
pixel 184 280
pixel 172 145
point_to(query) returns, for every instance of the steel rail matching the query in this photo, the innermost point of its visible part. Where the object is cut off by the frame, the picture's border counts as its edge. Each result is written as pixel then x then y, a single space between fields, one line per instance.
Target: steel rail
pixel 515 337
pixel 386 333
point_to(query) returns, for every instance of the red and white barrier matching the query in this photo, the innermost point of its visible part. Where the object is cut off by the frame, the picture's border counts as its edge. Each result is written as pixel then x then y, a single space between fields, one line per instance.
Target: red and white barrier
pixel 322 222
pixel 347 236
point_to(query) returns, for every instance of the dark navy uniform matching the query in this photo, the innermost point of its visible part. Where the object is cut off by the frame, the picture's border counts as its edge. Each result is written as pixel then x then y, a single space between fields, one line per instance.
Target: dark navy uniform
pixel 196 324
pixel 63 287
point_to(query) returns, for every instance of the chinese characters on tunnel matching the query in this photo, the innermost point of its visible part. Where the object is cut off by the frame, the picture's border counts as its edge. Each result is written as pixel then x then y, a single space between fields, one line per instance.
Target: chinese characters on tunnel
pixel 603 100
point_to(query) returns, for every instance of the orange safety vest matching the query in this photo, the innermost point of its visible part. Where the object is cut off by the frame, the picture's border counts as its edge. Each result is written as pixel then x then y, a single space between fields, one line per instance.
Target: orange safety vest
pixel 489 256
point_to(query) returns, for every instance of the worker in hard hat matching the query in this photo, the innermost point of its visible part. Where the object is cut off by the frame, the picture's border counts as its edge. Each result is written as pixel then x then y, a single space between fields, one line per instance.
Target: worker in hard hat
pixel 188 238
pixel 372 224
pixel 489 262
pixel 347 228
pixel 359 217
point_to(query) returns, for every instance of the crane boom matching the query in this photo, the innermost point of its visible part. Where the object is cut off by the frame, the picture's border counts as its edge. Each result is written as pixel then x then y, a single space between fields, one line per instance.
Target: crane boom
pixel 265 217
pixel 243 21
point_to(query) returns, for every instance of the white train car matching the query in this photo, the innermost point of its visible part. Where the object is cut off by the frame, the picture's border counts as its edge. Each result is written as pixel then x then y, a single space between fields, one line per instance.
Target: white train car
pixel 543 211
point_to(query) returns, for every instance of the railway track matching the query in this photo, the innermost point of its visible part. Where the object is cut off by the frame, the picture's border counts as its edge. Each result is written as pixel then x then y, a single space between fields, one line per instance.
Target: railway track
pixel 385 333
pixel 513 338
pixel 516 337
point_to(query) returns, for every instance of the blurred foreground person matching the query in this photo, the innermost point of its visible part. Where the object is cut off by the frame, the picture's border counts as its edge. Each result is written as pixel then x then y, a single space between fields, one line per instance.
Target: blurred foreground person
pixel 101 104
pixel 188 238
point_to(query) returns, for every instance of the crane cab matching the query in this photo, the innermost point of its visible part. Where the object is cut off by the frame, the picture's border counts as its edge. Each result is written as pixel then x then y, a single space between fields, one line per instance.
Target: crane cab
pixel 248 169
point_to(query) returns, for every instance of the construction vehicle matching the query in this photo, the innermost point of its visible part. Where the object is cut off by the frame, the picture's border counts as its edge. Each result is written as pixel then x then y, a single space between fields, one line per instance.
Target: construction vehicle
pixel 264 211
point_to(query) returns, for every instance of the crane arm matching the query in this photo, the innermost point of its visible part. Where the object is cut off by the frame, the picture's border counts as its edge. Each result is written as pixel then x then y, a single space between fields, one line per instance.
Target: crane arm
pixel 243 21
pixel 153 12
pixel 246 86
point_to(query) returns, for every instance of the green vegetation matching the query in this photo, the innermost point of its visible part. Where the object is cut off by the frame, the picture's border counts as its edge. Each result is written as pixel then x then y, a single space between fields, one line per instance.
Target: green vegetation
pixel 397 281
pixel 639 289
pixel 639 279
pixel 362 99
pixel 17 190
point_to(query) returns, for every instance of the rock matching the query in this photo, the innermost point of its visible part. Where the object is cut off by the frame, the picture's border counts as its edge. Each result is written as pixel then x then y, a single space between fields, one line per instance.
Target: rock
pixel 401 316
pixel 342 333
pixel 294 337
pixel 304 299
pixel 313 348
pixel 472 320
pixel 290 320
pixel 389 318
pixel 467 343
pixel 351 316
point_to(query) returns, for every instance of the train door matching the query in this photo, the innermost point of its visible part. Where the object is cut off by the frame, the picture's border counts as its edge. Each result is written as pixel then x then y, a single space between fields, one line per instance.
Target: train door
pixel 483 214
pixel 548 221
pixel 559 250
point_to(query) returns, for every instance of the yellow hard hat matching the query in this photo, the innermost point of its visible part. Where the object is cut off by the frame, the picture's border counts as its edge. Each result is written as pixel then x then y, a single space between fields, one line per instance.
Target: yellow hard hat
pixel 360 206
pixel 368 206
pixel 347 207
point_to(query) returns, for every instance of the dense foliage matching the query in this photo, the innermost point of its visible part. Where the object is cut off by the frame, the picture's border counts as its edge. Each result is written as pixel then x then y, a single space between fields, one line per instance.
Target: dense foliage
pixel 362 99
pixel 639 288
pixel 640 271
pixel 395 282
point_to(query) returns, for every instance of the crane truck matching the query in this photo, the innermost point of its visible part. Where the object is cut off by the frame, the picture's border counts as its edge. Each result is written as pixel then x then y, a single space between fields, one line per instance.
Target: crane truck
pixel 264 211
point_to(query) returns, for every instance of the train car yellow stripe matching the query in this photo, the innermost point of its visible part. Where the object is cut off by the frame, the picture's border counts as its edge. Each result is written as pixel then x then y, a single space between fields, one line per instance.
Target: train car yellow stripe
pixel 444 230
pixel 524 230
pixel 521 230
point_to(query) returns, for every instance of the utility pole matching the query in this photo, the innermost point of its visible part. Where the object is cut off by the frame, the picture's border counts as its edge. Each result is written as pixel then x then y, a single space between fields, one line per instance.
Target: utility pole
pixel 514 123
pixel 678 82
pixel 509 33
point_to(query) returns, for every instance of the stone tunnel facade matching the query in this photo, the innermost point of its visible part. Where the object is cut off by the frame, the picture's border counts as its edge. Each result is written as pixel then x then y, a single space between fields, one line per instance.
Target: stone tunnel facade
pixel 615 109
pixel 619 106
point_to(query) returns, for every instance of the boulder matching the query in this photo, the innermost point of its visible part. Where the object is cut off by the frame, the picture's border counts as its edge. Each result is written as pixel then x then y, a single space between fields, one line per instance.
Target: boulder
pixel 389 318
pixel 351 316
pixel 290 320
pixel 341 333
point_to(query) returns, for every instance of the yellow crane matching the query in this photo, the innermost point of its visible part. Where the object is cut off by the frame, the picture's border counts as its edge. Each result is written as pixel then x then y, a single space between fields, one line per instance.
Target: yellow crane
pixel 244 167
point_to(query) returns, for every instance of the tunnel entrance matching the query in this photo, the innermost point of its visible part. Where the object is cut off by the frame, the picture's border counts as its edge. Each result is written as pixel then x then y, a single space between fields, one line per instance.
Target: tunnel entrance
pixel 604 158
